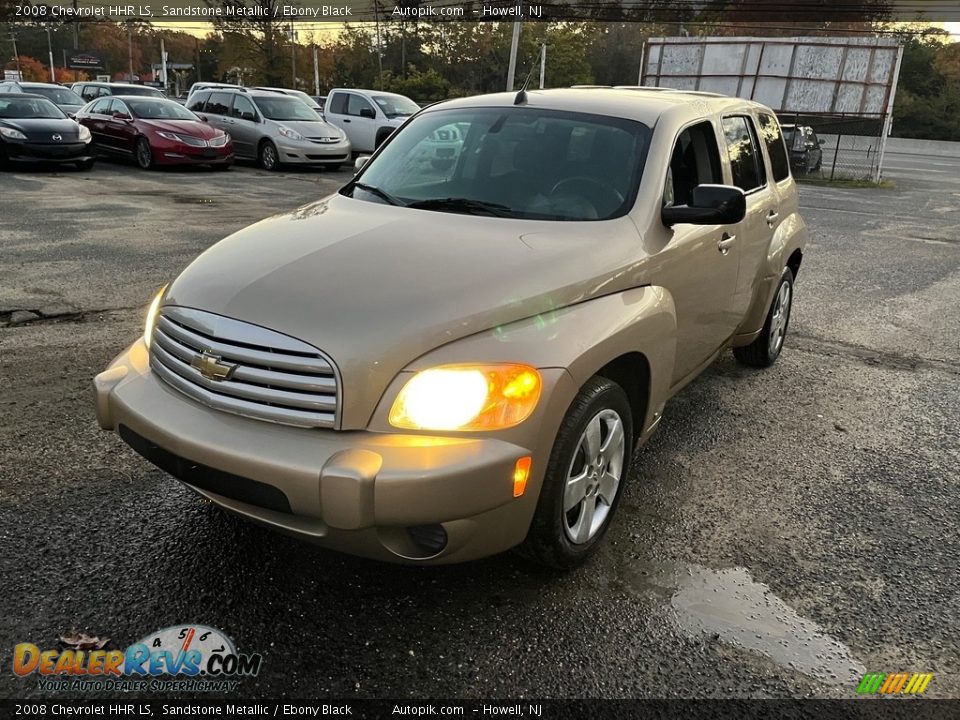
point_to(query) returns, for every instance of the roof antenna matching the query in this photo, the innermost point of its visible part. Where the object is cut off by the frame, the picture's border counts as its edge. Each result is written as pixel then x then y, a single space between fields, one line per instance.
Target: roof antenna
pixel 521 97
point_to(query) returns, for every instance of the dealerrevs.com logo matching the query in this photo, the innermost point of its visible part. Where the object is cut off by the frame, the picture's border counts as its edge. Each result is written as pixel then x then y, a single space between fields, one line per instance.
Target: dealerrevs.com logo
pixel 182 658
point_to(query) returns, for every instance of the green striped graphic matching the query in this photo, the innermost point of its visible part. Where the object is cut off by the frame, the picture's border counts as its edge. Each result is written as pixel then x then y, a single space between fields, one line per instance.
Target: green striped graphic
pixel 871 683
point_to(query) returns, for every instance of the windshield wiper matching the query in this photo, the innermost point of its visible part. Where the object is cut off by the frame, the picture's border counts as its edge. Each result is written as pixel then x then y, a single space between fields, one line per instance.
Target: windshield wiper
pixel 464 205
pixel 383 195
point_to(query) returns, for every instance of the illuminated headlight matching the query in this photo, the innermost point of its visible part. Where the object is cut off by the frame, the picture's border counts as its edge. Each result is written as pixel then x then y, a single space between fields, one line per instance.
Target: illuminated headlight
pixel 288 133
pixel 467 397
pixel 152 316
pixel 85 135
pixel 12 134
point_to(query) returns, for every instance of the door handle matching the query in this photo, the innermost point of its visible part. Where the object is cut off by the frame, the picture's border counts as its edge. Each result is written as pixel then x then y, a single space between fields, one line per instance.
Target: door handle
pixel 346 119
pixel 725 243
pixel 771 216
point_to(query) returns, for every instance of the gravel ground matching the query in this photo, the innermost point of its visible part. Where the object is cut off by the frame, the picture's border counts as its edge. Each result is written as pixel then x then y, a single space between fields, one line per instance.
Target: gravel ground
pixel 783 532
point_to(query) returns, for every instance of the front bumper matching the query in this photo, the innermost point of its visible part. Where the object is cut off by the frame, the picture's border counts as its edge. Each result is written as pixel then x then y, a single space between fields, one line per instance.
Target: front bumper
pixel 48 152
pixel 171 153
pixel 367 493
pixel 304 152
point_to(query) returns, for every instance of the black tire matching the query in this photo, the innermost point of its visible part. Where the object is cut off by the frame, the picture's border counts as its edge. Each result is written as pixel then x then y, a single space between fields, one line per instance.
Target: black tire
pixel 763 352
pixel 85 165
pixel 381 138
pixel 268 157
pixel 548 541
pixel 143 154
pixel 333 167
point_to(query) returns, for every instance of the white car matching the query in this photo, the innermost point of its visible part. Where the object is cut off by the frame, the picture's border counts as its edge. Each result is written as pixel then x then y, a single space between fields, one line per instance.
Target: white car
pixel 368 117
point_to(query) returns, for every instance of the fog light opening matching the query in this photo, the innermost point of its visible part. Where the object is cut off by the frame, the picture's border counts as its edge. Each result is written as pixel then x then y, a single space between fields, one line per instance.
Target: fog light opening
pixel 431 539
pixel 521 473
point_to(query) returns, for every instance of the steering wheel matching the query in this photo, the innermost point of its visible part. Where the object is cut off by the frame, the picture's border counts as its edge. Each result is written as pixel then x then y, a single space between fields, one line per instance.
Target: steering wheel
pixel 598 192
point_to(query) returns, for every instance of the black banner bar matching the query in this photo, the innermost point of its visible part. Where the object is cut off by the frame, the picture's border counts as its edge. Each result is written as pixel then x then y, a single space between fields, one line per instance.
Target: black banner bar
pixel 859 709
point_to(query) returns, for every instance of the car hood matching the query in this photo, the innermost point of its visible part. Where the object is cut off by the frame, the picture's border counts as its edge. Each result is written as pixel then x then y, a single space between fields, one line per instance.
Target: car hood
pixel 196 128
pixel 376 286
pixel 43 129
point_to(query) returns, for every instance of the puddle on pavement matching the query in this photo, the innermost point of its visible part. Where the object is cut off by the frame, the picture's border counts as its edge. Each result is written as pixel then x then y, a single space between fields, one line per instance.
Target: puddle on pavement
pixel 729 605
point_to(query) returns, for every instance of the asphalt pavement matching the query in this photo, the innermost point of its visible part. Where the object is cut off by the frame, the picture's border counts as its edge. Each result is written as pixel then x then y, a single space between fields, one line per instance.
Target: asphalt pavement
pixel 784 532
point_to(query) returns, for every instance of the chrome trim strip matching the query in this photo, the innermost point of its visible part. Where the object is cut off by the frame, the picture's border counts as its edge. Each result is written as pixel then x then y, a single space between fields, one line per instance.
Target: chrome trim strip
pixel 243 354
pixel 241 407
pixel 254 393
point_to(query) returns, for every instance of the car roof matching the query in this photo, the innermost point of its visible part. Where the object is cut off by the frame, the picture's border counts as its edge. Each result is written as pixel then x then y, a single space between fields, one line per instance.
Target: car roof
pixel 121 96
pixel 23 95
pixel 34 83
pixel 646 104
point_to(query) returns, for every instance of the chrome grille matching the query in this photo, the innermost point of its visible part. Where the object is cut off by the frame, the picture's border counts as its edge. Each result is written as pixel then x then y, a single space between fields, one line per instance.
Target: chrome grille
pixel 257 372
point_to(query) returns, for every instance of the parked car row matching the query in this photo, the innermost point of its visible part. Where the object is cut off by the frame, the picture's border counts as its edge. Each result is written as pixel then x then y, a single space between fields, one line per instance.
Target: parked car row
pixel 218 122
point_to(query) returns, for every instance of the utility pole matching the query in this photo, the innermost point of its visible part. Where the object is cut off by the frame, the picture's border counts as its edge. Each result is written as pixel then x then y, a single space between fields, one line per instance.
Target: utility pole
pixel 376 15
pixel 163 66
pixel 514 43
pixel 293 54
pixel 16 55
pixel 130 51
pixel 316 72
pixel 198 59
pixel 53 75
pixel 76 28
pixel 543 62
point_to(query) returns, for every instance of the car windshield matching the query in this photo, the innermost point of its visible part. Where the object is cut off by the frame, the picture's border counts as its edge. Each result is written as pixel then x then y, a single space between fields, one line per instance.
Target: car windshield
pixel 284 107
pixel 396 105
pixel 61 96
pixel 27 108
pixel 138 90
pixel 510 162
pixel 160 110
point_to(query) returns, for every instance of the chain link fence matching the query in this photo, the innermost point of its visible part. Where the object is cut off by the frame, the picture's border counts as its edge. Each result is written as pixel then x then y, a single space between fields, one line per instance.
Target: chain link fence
pixel 834 147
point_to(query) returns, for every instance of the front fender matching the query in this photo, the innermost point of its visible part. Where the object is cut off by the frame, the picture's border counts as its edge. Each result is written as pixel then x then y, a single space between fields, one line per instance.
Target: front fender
pixel 569 345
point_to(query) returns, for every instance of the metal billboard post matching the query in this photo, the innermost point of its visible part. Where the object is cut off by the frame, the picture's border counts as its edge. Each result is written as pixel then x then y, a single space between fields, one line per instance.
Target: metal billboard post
pixel 888 121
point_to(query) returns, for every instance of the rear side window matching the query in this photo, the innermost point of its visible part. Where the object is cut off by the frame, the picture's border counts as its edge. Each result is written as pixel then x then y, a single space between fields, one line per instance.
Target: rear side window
pixel 101 107
pixel 695 161
pixel 745 160
pixel 338 105
pixel 197 101
pixel 218 104
pixel 773 139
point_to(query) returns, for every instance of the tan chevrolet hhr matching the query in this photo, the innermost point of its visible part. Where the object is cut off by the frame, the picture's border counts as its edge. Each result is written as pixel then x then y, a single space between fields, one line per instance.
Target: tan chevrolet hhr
pixel 442 361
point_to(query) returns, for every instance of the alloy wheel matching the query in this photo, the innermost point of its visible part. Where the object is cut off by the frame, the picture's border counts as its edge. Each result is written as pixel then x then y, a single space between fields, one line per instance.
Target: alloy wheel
pixel 593 478
pixel 780 317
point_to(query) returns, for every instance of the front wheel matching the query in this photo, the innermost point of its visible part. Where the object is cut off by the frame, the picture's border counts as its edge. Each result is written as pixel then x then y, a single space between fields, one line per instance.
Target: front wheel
pixel 85 165
pixel 585 477
pixel 144 154
pixel 269 157
pixel 765 350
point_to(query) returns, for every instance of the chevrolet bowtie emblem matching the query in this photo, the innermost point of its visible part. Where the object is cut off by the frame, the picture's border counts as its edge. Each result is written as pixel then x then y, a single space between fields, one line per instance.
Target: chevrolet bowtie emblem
pixel 212 367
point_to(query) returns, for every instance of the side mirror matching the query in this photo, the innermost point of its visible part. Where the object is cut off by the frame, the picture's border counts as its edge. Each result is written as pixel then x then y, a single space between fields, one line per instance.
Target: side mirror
pixel 121 116
pixel 367 113
pixel 203 118
pixel 360 162
pixel 710 205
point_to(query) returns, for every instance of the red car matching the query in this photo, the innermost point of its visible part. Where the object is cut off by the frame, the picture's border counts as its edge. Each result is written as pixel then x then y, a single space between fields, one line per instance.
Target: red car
pixel 154 131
